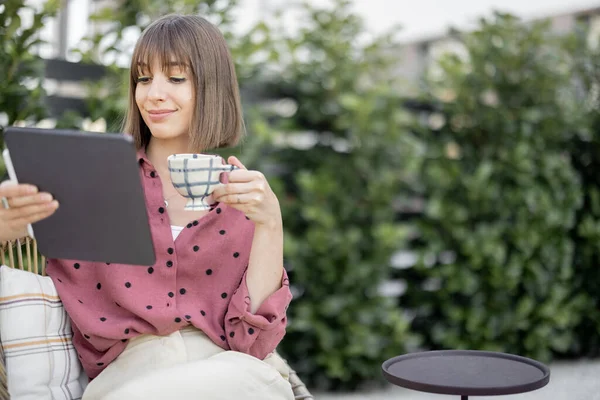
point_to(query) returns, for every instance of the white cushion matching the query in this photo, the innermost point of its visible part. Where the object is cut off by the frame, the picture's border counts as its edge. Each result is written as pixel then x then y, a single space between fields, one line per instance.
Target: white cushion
pixel 36 336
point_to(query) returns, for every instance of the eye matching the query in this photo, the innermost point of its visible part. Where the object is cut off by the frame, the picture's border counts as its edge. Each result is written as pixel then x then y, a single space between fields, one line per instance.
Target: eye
pixel 176 79
pixel 143 79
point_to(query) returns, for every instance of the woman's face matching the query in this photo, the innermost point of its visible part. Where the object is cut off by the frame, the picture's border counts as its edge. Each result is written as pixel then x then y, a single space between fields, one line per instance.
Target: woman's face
pixel 166 101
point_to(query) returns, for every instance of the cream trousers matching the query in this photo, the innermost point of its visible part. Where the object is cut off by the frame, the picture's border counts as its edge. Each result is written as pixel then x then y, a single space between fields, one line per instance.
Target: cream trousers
pixel 187 365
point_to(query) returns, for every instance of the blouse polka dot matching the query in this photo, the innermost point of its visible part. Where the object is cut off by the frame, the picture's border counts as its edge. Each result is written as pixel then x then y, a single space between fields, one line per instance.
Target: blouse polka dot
pixel 196 280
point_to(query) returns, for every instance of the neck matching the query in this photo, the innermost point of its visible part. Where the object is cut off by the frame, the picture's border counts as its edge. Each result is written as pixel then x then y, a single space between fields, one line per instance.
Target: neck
pixel 159 150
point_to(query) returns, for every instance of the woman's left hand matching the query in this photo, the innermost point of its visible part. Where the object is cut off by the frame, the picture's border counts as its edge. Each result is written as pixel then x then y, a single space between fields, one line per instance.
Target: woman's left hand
pixel 250 193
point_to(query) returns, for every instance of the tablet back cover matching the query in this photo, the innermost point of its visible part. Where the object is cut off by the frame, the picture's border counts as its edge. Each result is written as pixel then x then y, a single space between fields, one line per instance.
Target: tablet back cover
pixel 95 178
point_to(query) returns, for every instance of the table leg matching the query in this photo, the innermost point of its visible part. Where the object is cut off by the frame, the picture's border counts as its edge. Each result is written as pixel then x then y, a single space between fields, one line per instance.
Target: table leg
pixel 464 397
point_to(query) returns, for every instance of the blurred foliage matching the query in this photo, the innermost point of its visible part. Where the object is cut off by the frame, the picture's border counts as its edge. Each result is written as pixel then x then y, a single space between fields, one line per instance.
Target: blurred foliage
pixel 21 91
pixel 503 196
pixel 340 148
pixel 584 147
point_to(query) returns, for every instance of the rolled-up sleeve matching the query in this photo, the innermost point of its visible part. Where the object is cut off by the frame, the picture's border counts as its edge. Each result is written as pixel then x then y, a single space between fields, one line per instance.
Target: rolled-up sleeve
pixel 257 334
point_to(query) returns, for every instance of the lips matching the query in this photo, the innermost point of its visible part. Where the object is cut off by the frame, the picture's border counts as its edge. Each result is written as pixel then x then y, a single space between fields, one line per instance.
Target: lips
pixel 158 112
pixel 157 115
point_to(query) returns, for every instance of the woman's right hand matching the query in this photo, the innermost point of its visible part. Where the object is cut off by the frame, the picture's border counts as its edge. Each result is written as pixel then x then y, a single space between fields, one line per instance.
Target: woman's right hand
pixel 26 206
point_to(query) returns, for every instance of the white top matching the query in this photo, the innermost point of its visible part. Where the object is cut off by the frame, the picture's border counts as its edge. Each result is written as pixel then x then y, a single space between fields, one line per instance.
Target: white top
pixel 176 230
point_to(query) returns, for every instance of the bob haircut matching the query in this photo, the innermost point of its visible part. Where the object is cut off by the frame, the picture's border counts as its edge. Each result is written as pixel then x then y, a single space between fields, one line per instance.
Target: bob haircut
pixel 199 48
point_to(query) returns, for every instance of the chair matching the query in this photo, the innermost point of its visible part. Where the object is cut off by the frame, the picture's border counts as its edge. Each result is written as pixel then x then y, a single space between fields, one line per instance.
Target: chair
pixel 23 254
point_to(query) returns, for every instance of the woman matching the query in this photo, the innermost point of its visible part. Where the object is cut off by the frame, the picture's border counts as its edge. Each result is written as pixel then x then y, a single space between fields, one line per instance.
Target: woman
pixel 204 320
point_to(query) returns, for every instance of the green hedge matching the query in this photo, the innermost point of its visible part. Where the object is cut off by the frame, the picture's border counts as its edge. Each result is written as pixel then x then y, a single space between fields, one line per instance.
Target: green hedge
pixel 584 148
pixel 336 194
pixel 509 234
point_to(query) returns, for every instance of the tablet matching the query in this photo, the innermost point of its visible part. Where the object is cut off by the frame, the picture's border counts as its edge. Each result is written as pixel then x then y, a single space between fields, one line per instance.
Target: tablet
pixel 95 177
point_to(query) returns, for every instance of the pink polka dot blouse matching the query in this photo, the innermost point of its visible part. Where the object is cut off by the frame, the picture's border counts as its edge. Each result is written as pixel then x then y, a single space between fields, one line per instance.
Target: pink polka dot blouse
pixel 199 279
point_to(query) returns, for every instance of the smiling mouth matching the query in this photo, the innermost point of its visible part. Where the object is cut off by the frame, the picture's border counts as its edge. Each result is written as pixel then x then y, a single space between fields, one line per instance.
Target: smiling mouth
pixel 157 116
pixel 160 112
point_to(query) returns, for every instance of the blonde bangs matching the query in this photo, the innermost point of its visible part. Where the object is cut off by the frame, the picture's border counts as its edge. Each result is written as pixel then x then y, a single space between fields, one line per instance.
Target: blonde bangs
pixel 166 46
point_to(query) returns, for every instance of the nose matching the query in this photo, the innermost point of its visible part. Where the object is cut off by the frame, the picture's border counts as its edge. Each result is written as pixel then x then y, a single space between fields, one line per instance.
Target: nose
pixel 156 92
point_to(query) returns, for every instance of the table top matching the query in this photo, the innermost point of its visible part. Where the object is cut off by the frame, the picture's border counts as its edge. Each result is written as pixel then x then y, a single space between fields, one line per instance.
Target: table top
pixel 466 372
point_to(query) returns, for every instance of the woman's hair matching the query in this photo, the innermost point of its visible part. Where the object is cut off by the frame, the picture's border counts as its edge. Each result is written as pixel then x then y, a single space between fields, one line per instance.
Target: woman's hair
pixel 199 48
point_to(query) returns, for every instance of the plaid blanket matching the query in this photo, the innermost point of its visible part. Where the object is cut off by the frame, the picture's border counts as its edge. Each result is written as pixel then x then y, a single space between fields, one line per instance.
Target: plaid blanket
pixel 40 360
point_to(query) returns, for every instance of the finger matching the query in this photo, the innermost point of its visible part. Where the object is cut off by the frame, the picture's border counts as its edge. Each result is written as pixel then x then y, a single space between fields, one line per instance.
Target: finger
pixel 224 177
pixel 243 175
pixel 233 160
pixel 240 199
pixel 40 198
pixel 237 188
pixel 14 214
pixel 33 218
pixel 12 189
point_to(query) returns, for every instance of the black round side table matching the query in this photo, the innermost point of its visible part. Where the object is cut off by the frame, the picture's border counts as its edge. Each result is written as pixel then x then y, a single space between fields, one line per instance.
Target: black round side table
pixel 466 373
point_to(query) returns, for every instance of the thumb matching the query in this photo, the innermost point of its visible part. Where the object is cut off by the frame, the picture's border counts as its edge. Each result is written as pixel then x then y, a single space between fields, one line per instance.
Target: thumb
pixel 233 160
